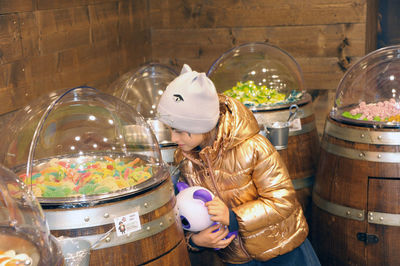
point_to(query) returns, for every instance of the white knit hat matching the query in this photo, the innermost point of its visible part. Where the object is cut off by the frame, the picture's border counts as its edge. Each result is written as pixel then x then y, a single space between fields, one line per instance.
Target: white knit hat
pixel 190 103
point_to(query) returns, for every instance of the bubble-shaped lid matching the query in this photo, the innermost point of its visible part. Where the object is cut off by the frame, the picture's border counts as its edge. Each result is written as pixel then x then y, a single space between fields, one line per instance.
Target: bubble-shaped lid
pixel 260 75
pixel 82 146
pixel 24 234
pixel 142 88
pixel 369 92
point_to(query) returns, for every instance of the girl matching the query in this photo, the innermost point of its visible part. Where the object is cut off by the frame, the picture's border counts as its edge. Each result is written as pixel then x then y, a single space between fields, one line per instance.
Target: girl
pixel 220 148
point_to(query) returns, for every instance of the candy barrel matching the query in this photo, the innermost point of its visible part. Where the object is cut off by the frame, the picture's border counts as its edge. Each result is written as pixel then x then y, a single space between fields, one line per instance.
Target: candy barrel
pixel 356 211
pixel 159 240
pixel 95 180
pixel 269 81
pixel 356 208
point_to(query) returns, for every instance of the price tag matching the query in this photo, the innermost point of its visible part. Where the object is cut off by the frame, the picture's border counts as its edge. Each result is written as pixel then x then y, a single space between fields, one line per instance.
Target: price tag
pixel 127 224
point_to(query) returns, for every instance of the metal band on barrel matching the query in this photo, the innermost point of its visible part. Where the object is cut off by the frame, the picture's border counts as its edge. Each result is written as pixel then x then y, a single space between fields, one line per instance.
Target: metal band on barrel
pixel 66 219
pixel 148 229
pixel 282 115
pixel 382 218
pixel 338 210
pixel 363 136
pixel 304 129
pixel 385 157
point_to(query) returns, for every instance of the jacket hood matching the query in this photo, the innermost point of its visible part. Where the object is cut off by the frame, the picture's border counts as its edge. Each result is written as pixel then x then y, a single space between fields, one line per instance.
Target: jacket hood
pixel 237 123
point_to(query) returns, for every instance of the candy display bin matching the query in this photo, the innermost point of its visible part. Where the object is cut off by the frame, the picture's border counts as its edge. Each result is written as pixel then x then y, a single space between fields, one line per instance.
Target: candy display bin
pixel 269 82
pixel 142 88
pixel 24 234
pixel 356 191
pixel 95 166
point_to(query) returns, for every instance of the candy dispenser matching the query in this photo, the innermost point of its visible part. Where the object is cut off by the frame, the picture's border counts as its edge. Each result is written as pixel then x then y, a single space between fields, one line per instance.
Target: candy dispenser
pixel 142 88
pixel 24 234
pixel 93 162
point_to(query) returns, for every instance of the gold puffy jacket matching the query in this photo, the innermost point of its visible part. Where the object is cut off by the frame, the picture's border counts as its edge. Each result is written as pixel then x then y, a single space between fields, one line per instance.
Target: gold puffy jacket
pixel 247 173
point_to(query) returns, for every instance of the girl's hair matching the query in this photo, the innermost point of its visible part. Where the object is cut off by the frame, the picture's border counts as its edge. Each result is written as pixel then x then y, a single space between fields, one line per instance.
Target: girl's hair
pixel 209 137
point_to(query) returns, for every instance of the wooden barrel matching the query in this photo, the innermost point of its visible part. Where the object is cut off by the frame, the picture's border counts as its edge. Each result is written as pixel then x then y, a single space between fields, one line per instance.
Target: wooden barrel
pixel 356 206
pixel 301 154
pixel 159 241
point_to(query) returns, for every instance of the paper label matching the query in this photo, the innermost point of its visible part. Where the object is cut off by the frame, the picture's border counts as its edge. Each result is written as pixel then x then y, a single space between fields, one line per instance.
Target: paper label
pixel 127 224
pixel 295 125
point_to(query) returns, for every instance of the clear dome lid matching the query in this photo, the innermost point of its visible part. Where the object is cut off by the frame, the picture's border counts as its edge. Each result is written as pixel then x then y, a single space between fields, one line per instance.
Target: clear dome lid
pixel 142 88
pixel 24 235
pixel 260 75
pixel 82 146
pixel 369 92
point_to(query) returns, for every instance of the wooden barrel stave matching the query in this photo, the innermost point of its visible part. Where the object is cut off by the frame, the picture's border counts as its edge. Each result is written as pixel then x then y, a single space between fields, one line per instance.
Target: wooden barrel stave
pixel 301 159
pixel 351 175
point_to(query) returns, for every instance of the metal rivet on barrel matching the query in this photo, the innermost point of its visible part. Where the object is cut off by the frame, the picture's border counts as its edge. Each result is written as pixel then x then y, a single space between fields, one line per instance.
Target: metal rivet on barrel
pixel 148 228
pixel 146 205
pixel 161 224
pixel 360 215
pixel 371 214
pixel 108 239
pixel 379 137
pixel 87 218
pixel 371 218
pixel 106 215
pixel 362 136
pixel 380 218
pixel 348 213
pixel 379 156
pixel 361 155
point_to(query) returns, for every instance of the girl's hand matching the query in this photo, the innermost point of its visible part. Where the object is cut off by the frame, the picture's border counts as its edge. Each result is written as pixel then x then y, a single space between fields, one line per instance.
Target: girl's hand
pixel 218 210
pixel 213 237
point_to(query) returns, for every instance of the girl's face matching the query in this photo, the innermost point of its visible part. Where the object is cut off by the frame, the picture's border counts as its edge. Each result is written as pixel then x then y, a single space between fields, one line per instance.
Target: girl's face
pixel 186 141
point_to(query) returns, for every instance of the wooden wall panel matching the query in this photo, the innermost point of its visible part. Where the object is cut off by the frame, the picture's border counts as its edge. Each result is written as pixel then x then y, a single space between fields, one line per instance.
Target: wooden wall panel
pixel 57 44
pixel 330 35
pixel 175 14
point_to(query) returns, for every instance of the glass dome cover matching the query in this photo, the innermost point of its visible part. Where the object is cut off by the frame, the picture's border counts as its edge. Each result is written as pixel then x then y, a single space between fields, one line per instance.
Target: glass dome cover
pixel 369 92
pixel 82 146
pixel 142 88
pixel 260 75
pixel 24 235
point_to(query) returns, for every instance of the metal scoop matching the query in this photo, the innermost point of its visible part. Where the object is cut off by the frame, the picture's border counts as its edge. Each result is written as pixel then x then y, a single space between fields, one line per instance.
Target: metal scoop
pixel 293 109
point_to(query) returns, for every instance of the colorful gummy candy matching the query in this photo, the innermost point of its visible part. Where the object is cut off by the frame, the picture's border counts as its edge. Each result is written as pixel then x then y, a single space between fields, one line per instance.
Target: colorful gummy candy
pixel 11 258
pixel 384 111
pixel 61 178
pixel 252 95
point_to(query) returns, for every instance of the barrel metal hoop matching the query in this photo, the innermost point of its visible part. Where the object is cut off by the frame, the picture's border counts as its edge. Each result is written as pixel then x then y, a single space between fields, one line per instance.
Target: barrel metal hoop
pixel 337 209
pixel 68 219
pixel 304 129
pixel 147 230
pixel 267 116
pixel 384 218
pixel 304 182
pixel 362 136
pixel 383 157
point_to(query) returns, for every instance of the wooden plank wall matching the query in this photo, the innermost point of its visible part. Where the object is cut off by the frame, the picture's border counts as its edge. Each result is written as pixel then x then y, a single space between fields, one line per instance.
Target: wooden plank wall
pixel 53 44
pixel 325 37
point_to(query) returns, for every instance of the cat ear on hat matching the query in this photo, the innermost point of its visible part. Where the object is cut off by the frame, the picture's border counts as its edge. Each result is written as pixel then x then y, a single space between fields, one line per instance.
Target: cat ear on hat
pixel 185 69
pixel 203 80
